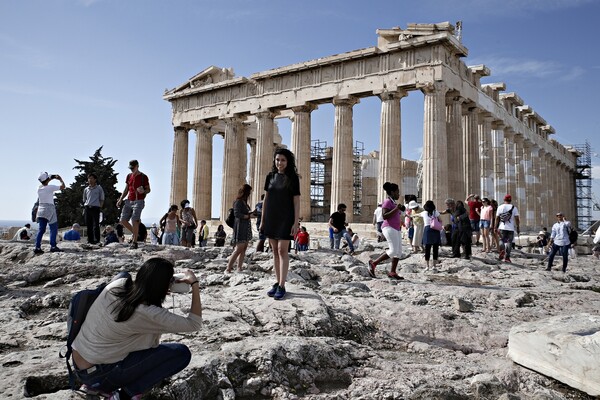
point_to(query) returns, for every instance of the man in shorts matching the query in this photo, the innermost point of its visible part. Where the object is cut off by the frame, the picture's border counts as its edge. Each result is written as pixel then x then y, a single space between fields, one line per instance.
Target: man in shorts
pixel 137 187
pixel 475 205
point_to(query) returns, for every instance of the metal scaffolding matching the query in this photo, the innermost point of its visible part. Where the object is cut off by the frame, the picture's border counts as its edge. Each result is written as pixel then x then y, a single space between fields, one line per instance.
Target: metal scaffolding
pixel 359 150
pixel 319 205
pixel 583 185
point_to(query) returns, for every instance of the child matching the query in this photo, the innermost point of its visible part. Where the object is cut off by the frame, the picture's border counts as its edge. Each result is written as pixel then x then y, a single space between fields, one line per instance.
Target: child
pixel 302 239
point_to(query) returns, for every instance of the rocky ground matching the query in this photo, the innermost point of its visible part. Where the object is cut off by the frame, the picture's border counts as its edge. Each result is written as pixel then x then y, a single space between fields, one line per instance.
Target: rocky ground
pixel 339 334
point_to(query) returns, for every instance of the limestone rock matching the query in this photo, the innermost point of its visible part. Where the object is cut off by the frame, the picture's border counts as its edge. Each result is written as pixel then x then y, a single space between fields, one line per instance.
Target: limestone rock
pixel 566 348
pixel 462 305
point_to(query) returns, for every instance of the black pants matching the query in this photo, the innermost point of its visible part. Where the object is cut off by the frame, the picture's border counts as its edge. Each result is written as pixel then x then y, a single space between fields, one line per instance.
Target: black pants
pixel 455 241
pixel 92 220
pixel 428 251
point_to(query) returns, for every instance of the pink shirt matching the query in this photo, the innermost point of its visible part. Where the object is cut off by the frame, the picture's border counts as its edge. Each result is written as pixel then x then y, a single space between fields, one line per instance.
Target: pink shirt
pixel 395 220
pixel 486 213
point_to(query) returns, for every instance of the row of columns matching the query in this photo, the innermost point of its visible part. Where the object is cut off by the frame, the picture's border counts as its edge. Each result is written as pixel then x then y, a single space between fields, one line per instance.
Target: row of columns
pixel 465 151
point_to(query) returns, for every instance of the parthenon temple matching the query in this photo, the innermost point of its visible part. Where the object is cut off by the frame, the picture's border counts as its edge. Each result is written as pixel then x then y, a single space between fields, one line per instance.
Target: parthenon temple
pixel 477 138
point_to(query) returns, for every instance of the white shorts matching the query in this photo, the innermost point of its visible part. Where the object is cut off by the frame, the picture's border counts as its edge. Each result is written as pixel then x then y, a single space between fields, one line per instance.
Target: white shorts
pixel 394 239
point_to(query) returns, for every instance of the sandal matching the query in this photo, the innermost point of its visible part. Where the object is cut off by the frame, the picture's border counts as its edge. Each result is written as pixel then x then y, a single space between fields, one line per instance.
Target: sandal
pixel 394 275
pixel 371 268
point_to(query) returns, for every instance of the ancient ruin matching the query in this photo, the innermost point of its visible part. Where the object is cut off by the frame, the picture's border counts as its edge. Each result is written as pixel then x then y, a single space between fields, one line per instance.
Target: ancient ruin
pixel 477 138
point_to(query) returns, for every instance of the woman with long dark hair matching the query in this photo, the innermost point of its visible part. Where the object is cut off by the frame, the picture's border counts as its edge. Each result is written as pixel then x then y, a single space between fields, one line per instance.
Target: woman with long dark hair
pixel 242 229
pixel 392 223
pixel 431 237
pixel 281 211
pixel 118 352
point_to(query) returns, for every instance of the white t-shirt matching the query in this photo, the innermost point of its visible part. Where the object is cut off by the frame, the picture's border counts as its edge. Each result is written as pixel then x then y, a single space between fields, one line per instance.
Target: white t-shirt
pixel 597 237
pixel 510 224
pixel 378 214
pixel 427 218
pixel 46 193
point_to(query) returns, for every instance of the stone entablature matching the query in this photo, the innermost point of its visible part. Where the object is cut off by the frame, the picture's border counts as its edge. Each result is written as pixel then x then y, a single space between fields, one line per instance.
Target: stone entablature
pixel 425 57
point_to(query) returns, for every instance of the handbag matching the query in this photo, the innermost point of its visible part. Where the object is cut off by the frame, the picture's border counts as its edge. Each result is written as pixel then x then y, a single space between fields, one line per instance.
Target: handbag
pixel 435 224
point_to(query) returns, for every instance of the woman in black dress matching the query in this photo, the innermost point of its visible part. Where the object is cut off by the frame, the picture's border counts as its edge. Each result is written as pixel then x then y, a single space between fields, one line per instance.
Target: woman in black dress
pixel 281 209
pixel 242 230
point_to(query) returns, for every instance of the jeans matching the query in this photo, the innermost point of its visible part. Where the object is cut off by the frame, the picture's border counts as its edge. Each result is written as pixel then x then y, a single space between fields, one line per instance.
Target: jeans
pixel 564 250
pixel 139 371
pixel 331 241
pixel 43 222
pixel 92 220
pixel 507 237
pixel 337 238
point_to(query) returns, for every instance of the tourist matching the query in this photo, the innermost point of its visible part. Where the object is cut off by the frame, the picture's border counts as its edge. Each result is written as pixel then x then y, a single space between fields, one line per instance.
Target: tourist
pixel 337 221
pixel 171 222
pixel 93 201
pixel 203 233
pixel 392 215
pixel 596 249
pixel 23 234
pixel 136 189
pixel 431 237
pixel 414 213
pixel 154 235
pixel 559 241
pixel 474 202
pixel 220 236
pixel 378 221
pixel 242 229
pixel 189 223
pixel 541 242
pixel 110 236
pixel 73 235
pixel 281 212
pixel 495 242
pixel 455 235
pixel 487 215
pixel 355 239
pixel 260 246
pixel 507 222
pixel 302 239
pixel 46 212
pixel 118 350
pixel 465 234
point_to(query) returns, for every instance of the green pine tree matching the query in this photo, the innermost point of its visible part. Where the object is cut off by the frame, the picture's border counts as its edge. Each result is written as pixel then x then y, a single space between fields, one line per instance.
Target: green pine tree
pixel 69 203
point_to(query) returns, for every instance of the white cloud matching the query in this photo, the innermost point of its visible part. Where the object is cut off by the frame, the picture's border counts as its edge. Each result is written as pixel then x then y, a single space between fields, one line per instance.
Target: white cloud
pixel 528 68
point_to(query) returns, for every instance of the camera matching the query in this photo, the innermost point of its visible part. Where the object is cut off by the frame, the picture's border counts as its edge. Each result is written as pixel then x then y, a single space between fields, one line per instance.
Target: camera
pixel 53 176
pixel 179 287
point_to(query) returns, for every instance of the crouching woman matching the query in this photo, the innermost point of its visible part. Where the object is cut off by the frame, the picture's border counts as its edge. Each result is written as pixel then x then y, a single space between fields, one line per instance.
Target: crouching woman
pixel 118 352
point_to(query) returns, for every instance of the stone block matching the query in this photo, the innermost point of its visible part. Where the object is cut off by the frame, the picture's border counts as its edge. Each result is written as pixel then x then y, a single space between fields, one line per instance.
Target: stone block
pixel 566 348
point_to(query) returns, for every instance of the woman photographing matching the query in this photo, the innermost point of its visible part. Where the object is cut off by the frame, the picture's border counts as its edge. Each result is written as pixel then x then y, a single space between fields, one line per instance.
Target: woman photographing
pixel 118 352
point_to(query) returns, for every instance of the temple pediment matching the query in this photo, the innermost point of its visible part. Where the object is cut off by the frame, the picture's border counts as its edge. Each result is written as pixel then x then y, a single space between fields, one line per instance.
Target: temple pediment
pixel 208 76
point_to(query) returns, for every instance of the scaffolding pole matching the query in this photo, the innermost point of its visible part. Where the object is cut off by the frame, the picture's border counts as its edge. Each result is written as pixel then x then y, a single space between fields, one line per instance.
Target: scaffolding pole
pixel 583 185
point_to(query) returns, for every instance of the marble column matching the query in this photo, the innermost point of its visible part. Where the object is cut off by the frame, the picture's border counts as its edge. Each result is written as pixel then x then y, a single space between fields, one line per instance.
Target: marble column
pixel 435 145
pixel 471 157
pixel 252 169
pixel 484 135
pixel 234 168
pixel 536 178
pixel 202 201
pixel 546 193
pixel 529 192
pixel 264 152
pixel 390 142
pixel 499 162
pixel 454 130
pixel 342 168
pixel 301 135
pixel 509 162
pixel 519 194
pixel 179 171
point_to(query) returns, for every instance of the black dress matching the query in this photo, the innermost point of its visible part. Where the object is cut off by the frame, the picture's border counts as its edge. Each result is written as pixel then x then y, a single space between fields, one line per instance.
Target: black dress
pixel 278 215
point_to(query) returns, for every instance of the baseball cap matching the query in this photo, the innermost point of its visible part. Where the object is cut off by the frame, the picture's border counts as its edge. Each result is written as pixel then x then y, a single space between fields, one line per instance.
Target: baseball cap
pixel 43 176
pixel 508 197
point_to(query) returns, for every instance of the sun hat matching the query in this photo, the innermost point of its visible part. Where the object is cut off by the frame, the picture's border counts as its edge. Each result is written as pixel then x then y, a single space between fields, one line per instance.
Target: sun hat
pixel 413 204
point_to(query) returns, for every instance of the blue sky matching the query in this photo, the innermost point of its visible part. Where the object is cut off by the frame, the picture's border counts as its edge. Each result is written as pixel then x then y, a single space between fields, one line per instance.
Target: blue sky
pixel 79 74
